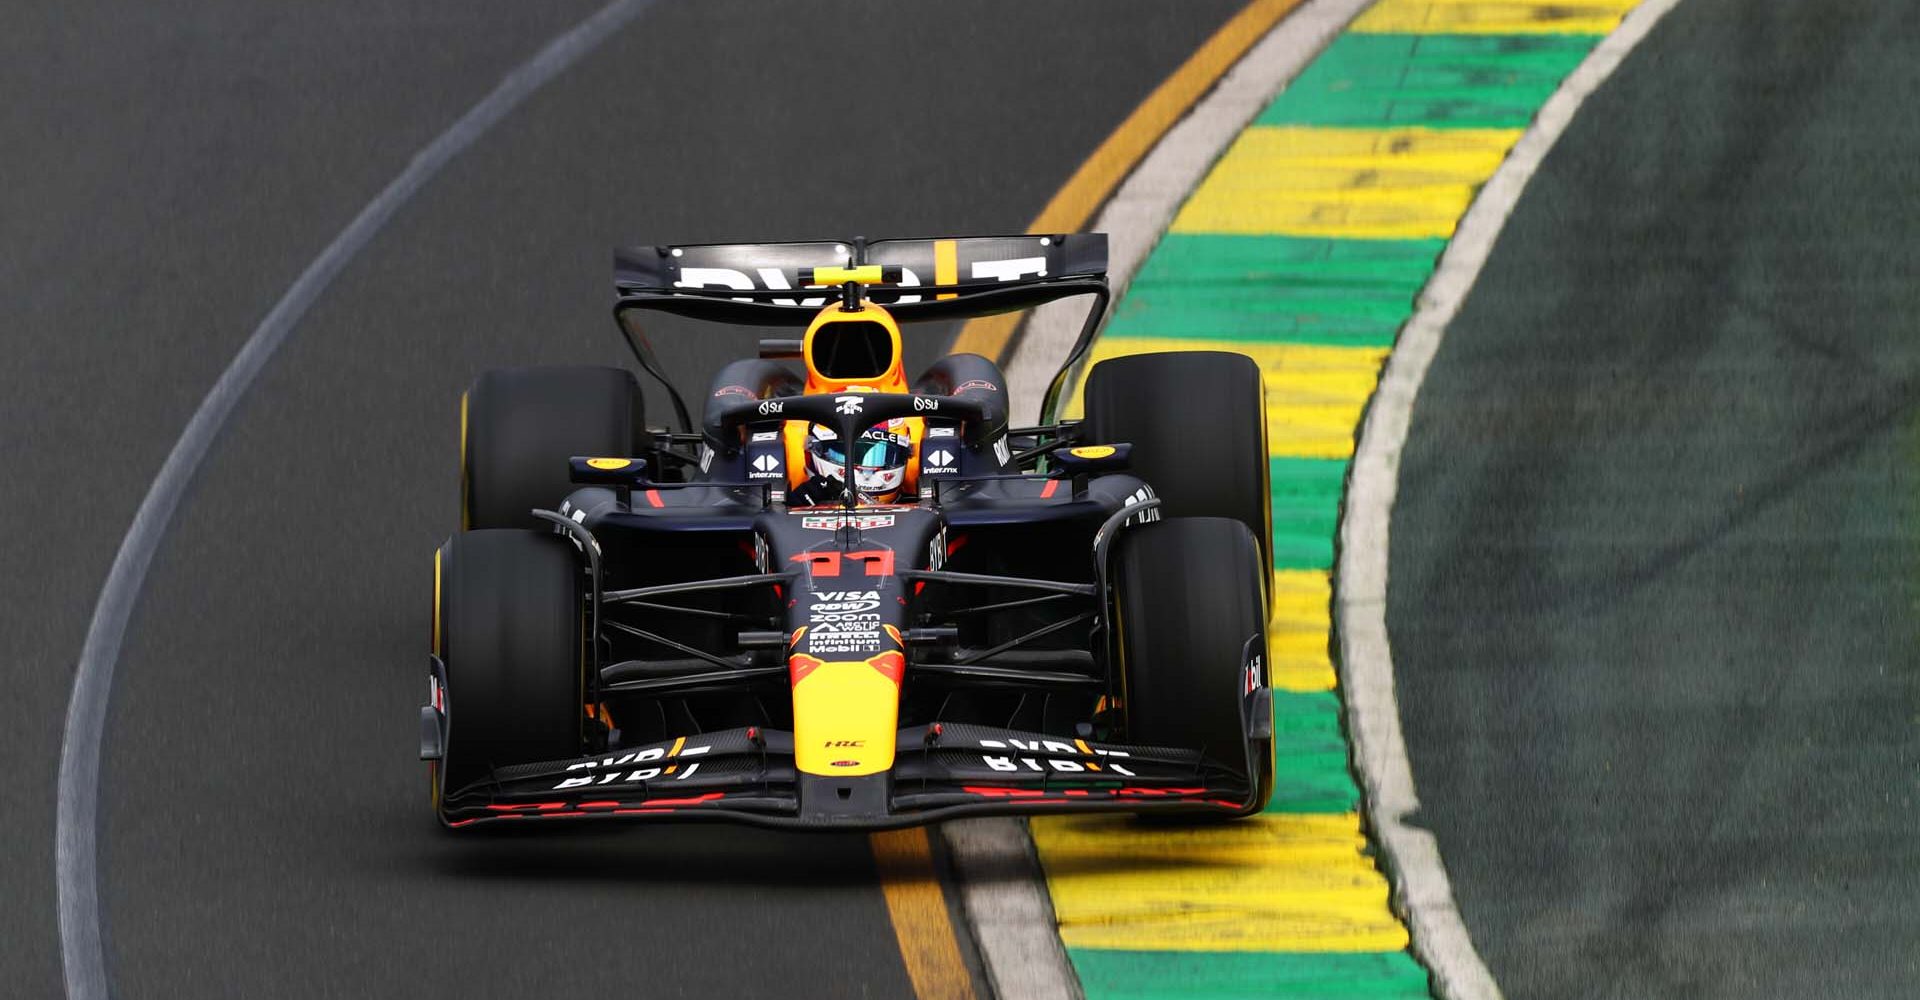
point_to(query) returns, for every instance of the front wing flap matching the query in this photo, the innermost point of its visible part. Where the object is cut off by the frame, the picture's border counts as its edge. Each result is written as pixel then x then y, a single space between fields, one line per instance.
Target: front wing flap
pixel 940 771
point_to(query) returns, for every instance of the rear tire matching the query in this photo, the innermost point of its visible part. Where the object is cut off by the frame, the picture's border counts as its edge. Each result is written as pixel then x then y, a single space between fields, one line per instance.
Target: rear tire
pixel 1189 591
pixel 510 611
pixel 520 425
pixel 1197 421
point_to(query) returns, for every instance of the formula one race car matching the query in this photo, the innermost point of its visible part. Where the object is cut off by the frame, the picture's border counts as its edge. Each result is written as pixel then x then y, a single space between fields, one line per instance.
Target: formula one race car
pixel 847 599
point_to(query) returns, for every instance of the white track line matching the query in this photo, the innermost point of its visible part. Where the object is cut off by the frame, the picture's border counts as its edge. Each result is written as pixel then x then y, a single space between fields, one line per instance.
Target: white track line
pixel 76 871
pixel 1001 884
pixel 1422 891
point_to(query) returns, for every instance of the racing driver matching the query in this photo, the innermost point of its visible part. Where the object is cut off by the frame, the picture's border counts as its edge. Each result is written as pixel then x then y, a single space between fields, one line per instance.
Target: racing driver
pixel 880 457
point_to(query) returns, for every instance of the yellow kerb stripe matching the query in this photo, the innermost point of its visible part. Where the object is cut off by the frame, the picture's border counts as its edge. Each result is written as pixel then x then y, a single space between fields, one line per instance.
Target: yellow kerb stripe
pixel 1297 635
pixel 920 919
pixel 1315 394
pixel 1274 882
pixel 1386 183
pixel 1090 186
pixel 1493 17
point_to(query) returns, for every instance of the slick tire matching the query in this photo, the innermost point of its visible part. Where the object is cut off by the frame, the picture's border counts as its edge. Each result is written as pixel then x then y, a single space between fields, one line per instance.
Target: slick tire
pixel 1189 593
pixel 520 425
pixel 1197 421
pixel 510 635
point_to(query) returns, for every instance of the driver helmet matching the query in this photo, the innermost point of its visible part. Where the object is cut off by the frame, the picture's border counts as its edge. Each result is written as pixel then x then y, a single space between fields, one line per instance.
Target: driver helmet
pixel 880 456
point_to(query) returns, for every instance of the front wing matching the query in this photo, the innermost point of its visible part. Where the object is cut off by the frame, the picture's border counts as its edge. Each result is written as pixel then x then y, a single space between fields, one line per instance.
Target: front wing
pixel 940 771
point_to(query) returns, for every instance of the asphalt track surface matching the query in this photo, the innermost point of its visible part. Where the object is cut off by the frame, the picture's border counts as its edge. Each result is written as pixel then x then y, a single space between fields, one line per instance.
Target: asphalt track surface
pixel 1655 559
pixel 169 169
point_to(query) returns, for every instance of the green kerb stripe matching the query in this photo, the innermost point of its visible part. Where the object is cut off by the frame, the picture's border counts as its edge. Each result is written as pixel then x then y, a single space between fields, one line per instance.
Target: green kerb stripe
pixel 1444 81
pixel 1310 755
pixel 1306 509
pixel 1222 975
pixel 1339 293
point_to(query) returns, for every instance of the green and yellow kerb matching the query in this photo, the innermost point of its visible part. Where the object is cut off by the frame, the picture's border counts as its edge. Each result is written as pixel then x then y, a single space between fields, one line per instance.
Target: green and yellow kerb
pixel 1304 248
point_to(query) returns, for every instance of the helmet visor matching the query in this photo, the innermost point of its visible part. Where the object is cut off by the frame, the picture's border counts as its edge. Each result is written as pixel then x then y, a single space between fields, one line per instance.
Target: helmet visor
pixel 867 454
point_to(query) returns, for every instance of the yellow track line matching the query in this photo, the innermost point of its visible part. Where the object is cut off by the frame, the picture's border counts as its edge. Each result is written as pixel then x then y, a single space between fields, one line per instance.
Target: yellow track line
pixel 1090 185
pixel 918 909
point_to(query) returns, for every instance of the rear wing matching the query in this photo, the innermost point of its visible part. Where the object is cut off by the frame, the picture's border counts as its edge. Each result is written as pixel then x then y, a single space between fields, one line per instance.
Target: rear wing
pixel 771 284
pixel 763 284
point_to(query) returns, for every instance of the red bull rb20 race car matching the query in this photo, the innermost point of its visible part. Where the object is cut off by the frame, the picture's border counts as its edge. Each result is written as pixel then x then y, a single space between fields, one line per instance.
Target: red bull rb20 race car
pixel 847 598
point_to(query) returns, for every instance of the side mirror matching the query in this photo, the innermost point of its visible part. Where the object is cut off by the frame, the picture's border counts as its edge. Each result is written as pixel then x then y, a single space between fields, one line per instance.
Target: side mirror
pixel 586 471
pixel 1087 459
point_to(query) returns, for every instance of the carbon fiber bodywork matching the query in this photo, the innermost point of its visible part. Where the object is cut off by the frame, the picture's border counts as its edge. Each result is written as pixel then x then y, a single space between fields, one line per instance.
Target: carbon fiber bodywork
pixel 944 597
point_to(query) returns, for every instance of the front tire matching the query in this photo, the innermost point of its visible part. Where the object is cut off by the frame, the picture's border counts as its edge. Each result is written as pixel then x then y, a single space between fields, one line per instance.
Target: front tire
pixel 510 636
pixel 1197 421
pixel 1190 603
pixel 520 425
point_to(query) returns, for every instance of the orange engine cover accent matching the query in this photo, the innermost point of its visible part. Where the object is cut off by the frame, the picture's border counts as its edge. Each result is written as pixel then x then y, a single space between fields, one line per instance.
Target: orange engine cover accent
pixel 894 379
